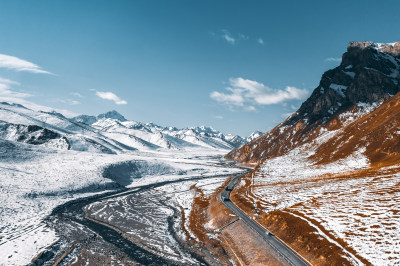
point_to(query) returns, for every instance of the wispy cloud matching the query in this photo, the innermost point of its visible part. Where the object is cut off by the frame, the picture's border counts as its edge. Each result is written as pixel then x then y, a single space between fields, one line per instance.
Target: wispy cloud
pixel 218 117
pixel 333 59
pixel 245 94
pixel 260 41
pixel 76 94
pixel 227 36
pixel 107 95
pixel 17 64
pixel 6 89
pixel 67 101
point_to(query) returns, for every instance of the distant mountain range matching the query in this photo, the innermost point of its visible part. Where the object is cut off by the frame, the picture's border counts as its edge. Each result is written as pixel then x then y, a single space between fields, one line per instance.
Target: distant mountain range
pixel 110 132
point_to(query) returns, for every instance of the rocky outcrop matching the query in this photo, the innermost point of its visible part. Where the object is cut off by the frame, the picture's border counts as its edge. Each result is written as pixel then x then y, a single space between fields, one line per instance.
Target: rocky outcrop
pixel 33 134
pixel 366 74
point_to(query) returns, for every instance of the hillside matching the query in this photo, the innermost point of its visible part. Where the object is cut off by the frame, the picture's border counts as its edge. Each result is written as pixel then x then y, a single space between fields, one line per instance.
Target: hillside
pixel 327 177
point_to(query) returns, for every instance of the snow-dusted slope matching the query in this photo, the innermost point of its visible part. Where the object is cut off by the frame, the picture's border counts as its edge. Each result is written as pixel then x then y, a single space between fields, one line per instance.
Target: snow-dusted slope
pixel 47 128
pixel 254 135
pixel 344 184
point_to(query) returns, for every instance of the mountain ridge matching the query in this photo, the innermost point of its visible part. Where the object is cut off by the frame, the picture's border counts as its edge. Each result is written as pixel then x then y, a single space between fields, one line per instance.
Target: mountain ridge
pixel 108 132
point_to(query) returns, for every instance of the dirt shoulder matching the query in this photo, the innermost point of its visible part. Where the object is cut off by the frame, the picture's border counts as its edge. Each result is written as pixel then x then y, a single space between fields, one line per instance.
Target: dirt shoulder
pixel 224 236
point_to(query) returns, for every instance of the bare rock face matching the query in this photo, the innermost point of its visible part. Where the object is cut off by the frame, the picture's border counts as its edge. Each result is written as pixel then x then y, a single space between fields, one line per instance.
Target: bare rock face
pixel 388 48
pixel 366 74
pixel 33 134
pixel 369 73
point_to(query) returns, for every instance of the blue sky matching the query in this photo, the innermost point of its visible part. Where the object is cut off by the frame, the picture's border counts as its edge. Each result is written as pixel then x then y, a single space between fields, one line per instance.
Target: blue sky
pixel 238 66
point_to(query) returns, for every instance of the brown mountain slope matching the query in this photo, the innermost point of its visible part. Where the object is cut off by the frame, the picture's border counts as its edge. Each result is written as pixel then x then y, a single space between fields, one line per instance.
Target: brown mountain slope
pixel 378 132
pixel 367 76
pixel 335 200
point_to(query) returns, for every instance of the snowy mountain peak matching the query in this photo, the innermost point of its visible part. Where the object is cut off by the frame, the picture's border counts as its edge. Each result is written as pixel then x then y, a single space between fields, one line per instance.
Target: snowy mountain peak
pixel 90 119
pixel 86 119
pixel 367 74
pixel 204 129
pixel 113 115
pixel 254 135
pixel 389 48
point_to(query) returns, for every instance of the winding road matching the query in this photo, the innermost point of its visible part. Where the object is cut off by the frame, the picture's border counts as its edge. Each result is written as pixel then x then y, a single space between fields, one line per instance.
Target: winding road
pixel 286 252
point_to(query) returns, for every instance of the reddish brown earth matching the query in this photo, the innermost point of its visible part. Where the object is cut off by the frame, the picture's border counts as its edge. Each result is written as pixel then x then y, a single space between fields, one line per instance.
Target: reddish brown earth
pixel 378 132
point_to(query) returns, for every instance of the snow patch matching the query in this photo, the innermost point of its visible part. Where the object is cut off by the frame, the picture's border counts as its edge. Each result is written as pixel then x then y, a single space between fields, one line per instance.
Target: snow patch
pixel 339 89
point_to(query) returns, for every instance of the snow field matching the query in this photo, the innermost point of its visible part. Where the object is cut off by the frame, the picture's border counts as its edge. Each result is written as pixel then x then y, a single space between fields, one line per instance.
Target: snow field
pixel 35 180
pixel 361 210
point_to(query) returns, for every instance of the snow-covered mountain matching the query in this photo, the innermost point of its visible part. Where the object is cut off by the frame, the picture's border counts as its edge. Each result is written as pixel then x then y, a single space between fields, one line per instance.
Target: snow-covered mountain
pixel 254 135
pixel 165 137
pixel 89 119
pixel 110 132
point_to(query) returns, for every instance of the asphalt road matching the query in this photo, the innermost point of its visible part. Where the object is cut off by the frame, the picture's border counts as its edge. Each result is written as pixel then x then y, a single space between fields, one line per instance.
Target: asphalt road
pixel 274 242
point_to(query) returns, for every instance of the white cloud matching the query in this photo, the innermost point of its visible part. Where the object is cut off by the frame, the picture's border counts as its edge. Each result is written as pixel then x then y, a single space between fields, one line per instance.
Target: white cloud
pixel 107 95
pixel 333 59
pixel 227 36
pixel 218 117
pixel 17 64
pixel 67 101
pixel 246 93
pixel 7 91
pixel 76 94
pixel 235 98
pixel 250 108
pixel 260 41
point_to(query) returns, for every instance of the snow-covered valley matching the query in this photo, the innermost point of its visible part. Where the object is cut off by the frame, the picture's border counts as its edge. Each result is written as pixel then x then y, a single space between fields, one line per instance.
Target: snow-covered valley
pixel 47 160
